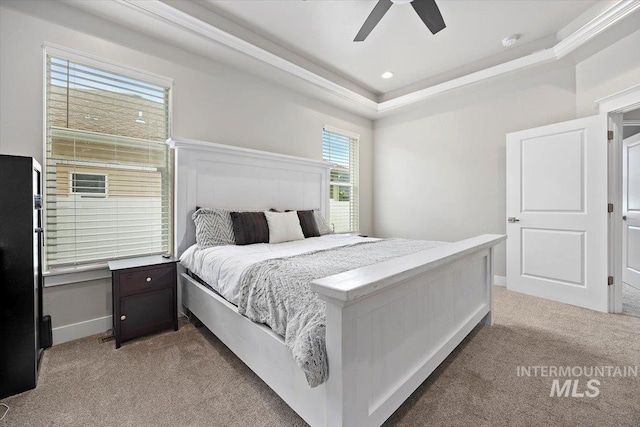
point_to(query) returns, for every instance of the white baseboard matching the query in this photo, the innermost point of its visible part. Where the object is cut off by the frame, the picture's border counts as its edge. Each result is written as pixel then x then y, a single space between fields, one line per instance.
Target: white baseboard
pixel 500 281
pixel 80 330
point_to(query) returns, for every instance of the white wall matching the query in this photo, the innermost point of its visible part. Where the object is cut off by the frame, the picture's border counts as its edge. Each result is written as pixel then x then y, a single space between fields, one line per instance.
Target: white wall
pixel 439 171
pixel 611 70
pixel 211 102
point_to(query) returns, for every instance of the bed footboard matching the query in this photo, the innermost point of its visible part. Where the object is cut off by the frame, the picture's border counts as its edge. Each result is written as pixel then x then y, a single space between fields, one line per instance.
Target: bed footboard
pixel 391 324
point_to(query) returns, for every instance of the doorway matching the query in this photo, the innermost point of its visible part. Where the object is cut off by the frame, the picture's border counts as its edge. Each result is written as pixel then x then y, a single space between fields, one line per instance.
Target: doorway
pixel 556 221
pixel 631 213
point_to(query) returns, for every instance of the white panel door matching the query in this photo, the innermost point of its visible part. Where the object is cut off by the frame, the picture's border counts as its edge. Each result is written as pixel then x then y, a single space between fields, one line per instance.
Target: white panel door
pixel 557 212
pixel 631 211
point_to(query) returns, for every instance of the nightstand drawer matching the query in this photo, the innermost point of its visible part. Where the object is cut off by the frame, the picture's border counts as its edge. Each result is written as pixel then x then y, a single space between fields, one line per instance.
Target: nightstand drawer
pixel 147 279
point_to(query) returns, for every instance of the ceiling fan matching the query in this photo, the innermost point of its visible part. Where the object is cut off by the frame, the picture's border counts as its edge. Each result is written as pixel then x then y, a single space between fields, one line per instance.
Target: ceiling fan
pixel 427 10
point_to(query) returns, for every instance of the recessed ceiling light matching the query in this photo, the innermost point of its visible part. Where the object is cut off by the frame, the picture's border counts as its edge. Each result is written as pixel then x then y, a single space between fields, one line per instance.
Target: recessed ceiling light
pixel 510 40
pixel 387 75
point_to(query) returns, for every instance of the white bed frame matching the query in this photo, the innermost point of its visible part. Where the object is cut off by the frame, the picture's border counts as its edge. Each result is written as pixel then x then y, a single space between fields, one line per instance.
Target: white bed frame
pixel 389 325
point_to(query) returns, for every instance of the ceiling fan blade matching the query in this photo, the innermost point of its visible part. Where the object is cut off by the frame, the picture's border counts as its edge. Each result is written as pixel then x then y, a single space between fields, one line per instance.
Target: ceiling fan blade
pixel 430 14
pixel 374 17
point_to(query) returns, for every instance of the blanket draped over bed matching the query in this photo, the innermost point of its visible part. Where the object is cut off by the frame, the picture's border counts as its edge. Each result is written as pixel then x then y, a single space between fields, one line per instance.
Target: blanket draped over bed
pixel 276 292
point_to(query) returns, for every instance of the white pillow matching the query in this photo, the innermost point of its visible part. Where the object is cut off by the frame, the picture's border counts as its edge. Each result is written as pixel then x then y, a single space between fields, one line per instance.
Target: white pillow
pixel 284 226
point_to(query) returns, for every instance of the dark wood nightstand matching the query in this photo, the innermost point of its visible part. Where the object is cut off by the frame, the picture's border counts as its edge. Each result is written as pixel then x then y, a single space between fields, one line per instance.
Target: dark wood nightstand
pixel 144 296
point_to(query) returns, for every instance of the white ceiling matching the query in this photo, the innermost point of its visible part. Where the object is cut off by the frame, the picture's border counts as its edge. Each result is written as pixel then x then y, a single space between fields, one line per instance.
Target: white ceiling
pixel 322 31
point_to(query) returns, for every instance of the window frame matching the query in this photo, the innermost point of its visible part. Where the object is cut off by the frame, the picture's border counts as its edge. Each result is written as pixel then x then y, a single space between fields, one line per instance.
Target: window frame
pixel 354 178
pixel 76 273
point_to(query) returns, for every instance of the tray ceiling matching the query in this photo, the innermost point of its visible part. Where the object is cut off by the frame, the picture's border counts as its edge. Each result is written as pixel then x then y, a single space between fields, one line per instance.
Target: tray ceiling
pixel 323 31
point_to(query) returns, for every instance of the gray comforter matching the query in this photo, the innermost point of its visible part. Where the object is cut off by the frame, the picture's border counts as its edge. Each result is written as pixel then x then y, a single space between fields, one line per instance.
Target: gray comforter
pixel 276 292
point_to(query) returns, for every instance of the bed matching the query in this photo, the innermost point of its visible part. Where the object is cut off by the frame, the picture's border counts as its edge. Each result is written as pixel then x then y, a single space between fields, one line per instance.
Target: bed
pixel 388 325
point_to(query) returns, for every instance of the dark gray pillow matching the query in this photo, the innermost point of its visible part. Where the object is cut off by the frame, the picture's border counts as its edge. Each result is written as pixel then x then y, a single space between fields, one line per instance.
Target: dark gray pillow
pixel 308 223
pixel 250 227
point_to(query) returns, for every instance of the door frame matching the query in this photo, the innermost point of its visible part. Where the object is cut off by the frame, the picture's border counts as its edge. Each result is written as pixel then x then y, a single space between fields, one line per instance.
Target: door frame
pixel 616 105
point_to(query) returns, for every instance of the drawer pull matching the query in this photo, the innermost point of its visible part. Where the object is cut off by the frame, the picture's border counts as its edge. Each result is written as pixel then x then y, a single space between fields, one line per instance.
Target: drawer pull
pixel 123 317
pixel 148 279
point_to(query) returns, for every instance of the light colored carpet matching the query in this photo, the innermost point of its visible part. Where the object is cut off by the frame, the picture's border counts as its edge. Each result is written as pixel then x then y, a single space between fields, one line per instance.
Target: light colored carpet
pixel 189 378
pixel 630 300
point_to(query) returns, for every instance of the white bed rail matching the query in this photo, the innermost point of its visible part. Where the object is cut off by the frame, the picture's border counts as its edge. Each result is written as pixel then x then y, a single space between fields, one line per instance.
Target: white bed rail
pixel 391 324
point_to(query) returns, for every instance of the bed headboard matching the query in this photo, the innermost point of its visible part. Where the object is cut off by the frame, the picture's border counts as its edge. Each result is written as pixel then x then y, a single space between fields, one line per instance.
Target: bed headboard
pixel 216 175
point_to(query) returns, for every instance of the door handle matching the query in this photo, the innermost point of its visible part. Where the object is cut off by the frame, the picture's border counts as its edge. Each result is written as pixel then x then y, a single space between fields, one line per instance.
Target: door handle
pixel 624 217
pixel 513 219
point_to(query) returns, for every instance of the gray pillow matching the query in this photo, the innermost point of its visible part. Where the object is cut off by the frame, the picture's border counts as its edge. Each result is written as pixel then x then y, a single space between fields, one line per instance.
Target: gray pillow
pixel 213 227
pixel 323 225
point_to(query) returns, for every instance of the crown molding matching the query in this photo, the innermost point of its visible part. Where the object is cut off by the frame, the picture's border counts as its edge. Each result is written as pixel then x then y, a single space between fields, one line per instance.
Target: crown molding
pixel 536 58
pixel 184 21
pixel 596 26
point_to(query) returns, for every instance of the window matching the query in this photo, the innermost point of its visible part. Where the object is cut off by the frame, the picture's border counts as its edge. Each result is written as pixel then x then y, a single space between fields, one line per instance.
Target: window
pixel 341 148
pixel 108 168
pixel 92 184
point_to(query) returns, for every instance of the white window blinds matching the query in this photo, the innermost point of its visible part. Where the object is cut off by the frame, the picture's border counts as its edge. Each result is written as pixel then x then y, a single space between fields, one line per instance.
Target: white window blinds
pixel 108 168
pixel 341 149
